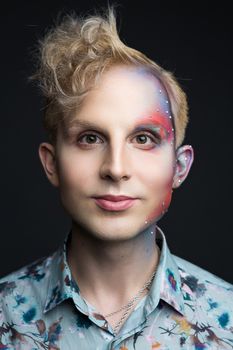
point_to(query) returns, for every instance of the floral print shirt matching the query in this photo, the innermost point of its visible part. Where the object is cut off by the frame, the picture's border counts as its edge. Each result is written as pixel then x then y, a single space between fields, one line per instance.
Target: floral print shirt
pixel 186 308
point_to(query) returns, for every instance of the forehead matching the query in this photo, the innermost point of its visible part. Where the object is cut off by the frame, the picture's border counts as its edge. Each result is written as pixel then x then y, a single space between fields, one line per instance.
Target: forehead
pixel 123 95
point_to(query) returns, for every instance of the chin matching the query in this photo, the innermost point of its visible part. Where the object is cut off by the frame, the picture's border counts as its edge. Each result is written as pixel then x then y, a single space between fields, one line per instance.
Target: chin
pixel 116 230
pixel 112 227
pixel 115 237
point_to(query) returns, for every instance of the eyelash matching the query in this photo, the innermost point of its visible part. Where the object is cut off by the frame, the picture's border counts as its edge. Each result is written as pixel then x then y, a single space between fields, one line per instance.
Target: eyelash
pixel 154 138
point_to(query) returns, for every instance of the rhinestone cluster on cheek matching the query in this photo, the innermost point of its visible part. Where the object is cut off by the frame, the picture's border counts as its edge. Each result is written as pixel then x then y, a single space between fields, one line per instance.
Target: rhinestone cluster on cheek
pixel 163 204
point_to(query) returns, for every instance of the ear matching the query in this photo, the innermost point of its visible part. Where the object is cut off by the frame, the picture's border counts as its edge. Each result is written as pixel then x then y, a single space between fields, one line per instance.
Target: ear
pixel 184 160
pixel 48 160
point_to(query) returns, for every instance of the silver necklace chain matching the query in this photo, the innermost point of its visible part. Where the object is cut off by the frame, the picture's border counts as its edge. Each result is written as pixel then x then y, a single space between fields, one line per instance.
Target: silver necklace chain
pixel 127 307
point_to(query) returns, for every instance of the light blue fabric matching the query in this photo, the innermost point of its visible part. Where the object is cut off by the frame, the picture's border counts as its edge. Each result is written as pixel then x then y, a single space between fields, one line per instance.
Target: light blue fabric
pixel 186 308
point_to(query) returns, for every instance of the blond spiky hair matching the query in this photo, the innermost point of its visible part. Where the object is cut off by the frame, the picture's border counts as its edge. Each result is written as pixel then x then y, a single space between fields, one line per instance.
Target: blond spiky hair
pixel 74 54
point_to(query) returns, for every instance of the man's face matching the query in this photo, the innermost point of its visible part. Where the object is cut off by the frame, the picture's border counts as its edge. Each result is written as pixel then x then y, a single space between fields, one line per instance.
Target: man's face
pixel 120 142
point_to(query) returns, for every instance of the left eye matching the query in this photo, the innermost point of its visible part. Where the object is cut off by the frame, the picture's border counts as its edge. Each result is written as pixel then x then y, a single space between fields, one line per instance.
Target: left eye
pixel 142 139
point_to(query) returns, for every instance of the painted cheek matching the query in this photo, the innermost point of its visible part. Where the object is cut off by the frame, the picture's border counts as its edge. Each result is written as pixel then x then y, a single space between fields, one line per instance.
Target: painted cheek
pixel 162 207
pixel 161 180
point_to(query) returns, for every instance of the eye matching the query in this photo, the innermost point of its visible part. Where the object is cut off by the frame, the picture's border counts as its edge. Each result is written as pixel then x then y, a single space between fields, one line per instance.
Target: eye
pixel 88 139
pixel 144 137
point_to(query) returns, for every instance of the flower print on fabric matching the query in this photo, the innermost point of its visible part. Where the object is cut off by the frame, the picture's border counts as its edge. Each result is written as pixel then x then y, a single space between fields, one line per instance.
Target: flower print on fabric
pixel 43 338
pixel 187 308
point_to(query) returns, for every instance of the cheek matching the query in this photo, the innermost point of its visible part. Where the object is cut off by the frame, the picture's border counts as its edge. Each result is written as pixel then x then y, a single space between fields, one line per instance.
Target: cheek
pixel 159 183
pixel 74 171
pixel 162 194
pixel 159 179
pixel 157 172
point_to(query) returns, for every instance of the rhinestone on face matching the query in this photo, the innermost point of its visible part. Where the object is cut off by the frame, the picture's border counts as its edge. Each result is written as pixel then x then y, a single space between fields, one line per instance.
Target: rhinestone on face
pixel 163 208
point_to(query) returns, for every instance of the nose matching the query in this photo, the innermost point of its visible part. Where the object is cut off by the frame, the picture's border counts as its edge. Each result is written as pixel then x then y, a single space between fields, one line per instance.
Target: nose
pixel 115 165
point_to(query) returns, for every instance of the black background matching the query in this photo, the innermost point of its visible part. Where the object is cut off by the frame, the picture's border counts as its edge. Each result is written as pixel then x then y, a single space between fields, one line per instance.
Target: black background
pixel 194 42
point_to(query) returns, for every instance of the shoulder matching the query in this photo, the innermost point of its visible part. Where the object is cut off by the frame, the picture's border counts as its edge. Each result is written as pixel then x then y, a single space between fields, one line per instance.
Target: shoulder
pixel 18 288
pixel 208 299
pixel 35 271
pixel 196 273
pixel 22 299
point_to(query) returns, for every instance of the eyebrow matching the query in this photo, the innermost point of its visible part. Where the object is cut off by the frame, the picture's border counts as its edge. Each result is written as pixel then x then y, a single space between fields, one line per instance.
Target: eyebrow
pixel 83 123
pixel 68 125
pixel 147 125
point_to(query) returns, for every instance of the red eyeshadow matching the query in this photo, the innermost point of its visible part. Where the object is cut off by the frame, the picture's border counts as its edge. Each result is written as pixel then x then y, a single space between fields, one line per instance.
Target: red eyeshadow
pixel 159 119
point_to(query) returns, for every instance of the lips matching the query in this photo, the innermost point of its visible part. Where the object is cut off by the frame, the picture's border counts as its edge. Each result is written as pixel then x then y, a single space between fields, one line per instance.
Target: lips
pixel 115 203
pixel 112 198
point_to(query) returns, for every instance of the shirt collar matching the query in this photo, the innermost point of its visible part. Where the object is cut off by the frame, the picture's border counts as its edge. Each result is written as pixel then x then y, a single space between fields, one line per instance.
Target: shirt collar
pixel 167 281
pixel 166 284
pixel 59 286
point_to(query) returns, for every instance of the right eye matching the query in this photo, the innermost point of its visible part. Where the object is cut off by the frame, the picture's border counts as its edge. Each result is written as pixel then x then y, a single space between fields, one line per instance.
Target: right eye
pixel 90 139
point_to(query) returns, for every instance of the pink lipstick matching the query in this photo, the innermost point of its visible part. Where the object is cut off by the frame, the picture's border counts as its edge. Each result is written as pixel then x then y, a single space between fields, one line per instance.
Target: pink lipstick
pixel 114 203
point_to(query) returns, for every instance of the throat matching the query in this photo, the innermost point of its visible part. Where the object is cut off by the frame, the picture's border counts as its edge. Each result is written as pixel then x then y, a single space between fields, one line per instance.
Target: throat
pixel 113 287
pixel 117 317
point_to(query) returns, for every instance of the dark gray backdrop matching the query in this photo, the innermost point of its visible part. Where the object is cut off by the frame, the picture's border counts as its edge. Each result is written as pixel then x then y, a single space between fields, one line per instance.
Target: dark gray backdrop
pixel 192 41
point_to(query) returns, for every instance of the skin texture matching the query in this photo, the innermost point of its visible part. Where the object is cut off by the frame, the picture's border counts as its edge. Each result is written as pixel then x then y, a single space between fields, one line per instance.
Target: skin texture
pixel 125 146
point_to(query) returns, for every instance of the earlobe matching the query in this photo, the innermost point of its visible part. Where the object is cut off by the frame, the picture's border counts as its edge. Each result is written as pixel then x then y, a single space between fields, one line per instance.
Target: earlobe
pixel 48 160
pixel 184 160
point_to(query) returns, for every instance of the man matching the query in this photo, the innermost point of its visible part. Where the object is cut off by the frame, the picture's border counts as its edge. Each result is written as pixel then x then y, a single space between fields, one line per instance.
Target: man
pixel 116 122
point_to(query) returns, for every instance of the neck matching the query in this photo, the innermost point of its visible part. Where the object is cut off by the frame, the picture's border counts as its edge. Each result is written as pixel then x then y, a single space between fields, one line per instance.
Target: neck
pixel 111 270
